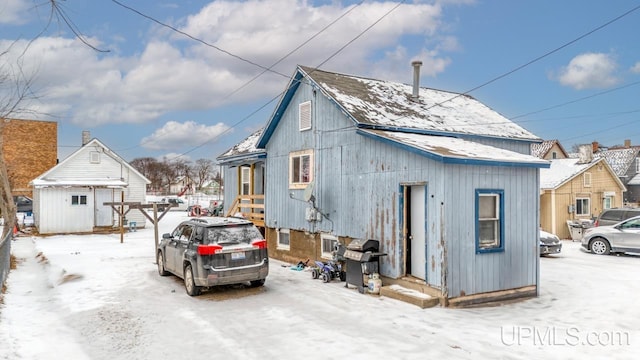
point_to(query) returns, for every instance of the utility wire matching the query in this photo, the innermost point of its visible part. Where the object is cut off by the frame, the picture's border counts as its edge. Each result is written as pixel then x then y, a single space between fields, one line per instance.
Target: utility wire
pixel 539 57
pixel 255 77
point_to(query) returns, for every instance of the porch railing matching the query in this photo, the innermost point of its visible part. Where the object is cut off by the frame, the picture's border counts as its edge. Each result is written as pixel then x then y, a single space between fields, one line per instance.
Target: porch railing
pixel 250 206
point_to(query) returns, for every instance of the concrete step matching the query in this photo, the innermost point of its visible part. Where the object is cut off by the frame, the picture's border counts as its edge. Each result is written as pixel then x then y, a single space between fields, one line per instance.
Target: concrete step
pixel 410 296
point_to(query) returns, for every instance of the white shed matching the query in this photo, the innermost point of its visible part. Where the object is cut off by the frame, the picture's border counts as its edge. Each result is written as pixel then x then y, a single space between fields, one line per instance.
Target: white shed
pixel 70 197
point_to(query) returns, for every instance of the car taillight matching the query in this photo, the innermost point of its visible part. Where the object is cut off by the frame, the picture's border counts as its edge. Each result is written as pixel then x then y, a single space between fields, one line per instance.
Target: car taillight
pixel 259 243
pixel 209 249
pixel 595 223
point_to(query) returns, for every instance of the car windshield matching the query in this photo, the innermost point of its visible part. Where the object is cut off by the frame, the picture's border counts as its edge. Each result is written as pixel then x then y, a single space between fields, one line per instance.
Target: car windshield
pixel 232 234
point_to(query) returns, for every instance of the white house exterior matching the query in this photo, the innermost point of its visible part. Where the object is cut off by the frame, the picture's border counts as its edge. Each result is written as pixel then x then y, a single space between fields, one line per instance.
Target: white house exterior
pixel 70 197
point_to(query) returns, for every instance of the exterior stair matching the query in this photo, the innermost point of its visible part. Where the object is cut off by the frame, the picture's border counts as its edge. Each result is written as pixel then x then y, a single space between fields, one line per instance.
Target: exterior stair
pixel 411 290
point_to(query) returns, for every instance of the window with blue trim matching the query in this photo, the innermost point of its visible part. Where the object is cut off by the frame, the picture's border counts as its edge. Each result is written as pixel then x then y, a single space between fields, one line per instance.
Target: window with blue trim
pixel 489 220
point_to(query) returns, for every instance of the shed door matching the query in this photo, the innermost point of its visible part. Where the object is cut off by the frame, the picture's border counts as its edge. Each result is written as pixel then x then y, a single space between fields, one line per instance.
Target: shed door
pixel 104 213
pixel 416 249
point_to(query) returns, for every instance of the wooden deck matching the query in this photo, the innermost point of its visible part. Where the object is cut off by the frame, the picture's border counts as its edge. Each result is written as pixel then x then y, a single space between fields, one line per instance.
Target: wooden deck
pixel 250 206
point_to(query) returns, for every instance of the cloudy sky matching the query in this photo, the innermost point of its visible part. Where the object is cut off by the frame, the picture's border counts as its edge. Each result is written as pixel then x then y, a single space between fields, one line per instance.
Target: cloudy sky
pixel 192 78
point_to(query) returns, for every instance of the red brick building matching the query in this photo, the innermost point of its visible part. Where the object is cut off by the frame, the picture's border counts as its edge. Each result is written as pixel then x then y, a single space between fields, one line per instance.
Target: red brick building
pixel 30 148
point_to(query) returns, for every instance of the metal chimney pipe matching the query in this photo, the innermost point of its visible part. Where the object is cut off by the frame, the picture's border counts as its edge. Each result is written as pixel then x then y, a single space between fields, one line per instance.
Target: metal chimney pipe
pixel 416 78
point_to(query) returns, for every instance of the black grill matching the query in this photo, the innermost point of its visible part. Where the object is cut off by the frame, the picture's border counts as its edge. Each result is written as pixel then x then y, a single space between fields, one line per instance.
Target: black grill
pixel 362 259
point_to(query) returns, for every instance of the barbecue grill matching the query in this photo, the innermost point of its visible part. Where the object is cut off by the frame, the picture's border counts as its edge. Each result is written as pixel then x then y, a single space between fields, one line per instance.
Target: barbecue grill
pixel 362 259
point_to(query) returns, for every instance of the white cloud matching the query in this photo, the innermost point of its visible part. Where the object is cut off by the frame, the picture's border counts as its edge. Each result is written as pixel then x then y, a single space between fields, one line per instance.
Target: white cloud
pixel 173 73
pixel 176 135
pixel 636 68
pixel 590 70
pixel 14 11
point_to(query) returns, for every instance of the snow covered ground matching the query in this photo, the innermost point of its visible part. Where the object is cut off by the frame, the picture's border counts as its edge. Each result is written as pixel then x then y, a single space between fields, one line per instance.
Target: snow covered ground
pixel 92 297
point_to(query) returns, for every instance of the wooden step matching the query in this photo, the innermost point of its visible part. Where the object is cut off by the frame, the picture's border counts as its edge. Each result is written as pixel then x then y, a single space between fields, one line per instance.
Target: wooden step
pixel 410 296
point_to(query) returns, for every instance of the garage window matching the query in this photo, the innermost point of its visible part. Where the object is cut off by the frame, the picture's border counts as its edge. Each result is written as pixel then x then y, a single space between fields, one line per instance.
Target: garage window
pixel 78 199
pixel 489 220
pixel 329 243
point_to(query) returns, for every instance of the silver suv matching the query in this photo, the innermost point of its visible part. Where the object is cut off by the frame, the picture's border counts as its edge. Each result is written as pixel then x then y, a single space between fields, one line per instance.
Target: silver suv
pixel 619 238
pixel 215 251
pixel 614 216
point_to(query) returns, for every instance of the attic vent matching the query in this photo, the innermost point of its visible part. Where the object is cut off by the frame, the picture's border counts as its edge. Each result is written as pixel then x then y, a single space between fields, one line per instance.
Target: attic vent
pixel 305 115
pixel 95 157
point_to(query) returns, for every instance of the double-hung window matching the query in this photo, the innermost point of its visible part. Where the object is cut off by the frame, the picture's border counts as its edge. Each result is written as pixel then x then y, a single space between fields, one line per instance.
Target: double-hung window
pixel 489 220
pixel 300 169
pixel 583 206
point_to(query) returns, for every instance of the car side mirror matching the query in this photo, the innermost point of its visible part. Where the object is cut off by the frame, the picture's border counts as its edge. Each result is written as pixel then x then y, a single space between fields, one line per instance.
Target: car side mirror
pixel 166 236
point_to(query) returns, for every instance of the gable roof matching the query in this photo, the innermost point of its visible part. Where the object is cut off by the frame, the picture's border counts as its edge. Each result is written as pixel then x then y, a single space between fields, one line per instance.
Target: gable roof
pixel 541 149
pixel 378 104
pixel 244 150
pixel 619 159
pixel 564 170
pixel 43 179
pixel 455 151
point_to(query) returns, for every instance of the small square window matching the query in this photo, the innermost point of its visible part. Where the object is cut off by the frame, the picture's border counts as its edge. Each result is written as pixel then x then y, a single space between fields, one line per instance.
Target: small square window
pixel 284 242
pixel 329 243
pixel 78 199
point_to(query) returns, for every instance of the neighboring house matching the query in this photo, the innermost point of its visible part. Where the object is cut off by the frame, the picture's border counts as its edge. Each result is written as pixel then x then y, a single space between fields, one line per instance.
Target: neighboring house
pixel 548 150
pixel 70 197
pixel 181 185
pixel 444 183
pixel 577 189
pixel 625 162
pixel 30 148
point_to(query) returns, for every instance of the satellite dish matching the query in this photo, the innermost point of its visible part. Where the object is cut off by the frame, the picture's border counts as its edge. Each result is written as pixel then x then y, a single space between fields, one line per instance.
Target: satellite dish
pixel 308 192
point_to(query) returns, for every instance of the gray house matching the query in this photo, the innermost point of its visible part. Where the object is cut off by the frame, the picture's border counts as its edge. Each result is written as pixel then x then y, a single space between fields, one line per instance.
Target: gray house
pixel 445 184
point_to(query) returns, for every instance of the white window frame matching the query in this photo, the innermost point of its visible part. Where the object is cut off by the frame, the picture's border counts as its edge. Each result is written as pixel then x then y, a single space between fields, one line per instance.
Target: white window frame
pixel 607 202
pixel 281 244
pixel 554 155
pixel 245 179
pixel 78 200
pixel 330 241
pixel 299 182
pixel 587 179
pixel 304 116
pixel 580 209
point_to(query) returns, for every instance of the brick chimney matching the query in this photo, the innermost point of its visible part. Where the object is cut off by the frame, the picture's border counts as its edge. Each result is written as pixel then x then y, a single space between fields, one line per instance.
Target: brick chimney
pixel 595 147
pixel 627 144
pixel 86 137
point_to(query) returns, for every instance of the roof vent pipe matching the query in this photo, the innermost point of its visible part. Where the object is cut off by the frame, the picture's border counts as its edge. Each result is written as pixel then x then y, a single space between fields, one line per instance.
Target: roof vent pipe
pixel 416 78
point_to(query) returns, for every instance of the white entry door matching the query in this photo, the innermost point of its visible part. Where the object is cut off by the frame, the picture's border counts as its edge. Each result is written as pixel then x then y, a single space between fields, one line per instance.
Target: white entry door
pixel 104 213
pixel 417 232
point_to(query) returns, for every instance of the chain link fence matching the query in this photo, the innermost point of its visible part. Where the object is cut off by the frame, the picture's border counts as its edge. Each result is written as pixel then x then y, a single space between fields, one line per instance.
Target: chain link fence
pixel 5 257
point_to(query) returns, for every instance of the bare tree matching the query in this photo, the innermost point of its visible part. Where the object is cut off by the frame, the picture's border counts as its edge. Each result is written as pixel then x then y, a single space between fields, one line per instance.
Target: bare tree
pixel 15 89
pixel 204 171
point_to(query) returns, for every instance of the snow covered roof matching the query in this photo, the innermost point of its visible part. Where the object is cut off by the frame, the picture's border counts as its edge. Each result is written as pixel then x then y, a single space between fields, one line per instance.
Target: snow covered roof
pixel 378 103
pixel 563 170
pixel 541 149
pixel 244 149
pixel 115 183
pixel 619 159
pixel 454 150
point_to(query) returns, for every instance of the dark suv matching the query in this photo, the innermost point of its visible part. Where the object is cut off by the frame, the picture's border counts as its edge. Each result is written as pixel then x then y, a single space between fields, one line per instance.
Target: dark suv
pixel 215 251
pixel 614 216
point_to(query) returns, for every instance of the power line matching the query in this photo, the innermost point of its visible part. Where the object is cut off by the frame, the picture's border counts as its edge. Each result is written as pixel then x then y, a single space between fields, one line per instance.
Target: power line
pixel 539 57
pixel 255 77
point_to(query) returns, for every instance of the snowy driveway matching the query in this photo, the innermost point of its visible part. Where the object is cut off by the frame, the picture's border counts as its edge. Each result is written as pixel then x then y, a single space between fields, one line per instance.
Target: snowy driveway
pixel 92 297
